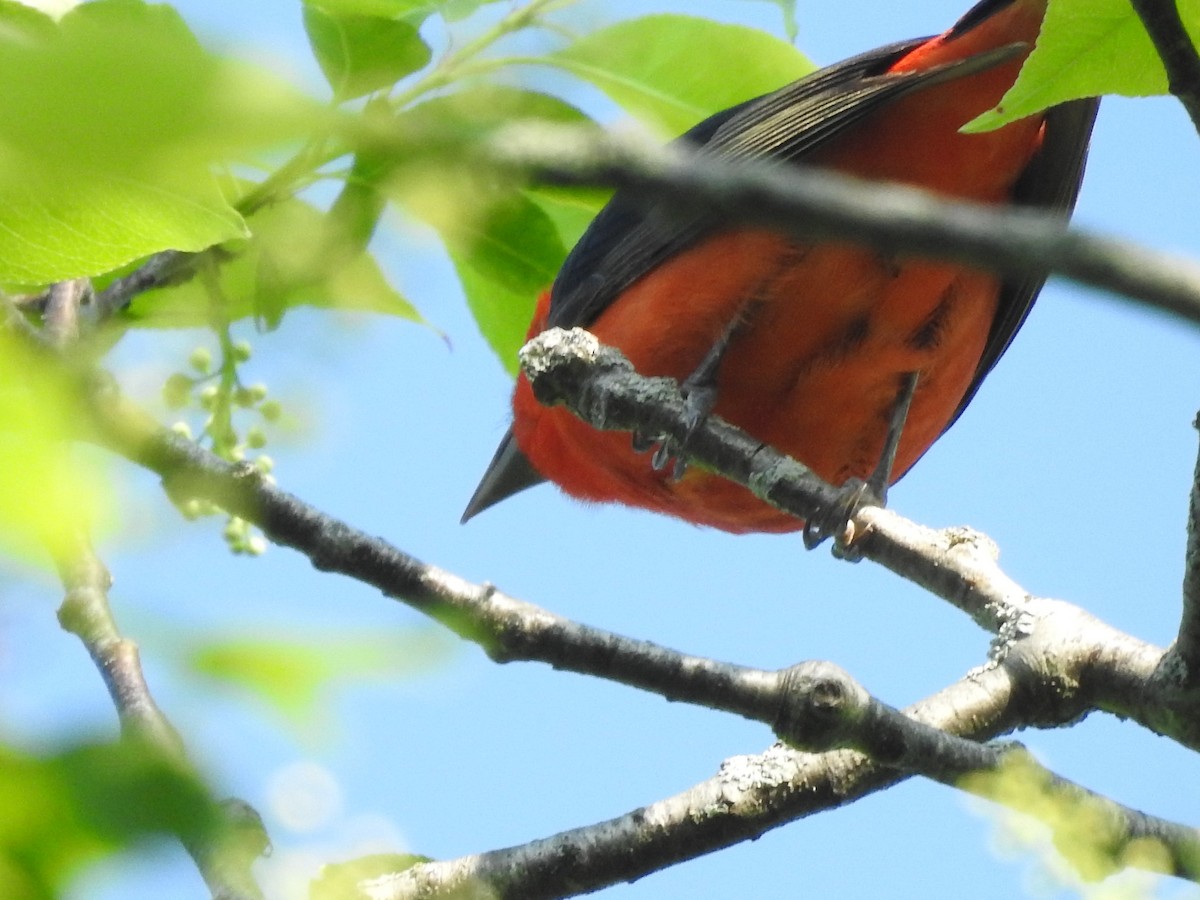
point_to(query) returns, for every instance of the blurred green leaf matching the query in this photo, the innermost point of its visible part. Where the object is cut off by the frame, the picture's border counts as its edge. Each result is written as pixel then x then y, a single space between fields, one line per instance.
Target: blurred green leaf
pixel 293 259
pixel 571 209
pixel 63 811
pixel 472 113
pixel 21 22
pixel 671 71
pixel 110 126
pixel 360 53
pixel 47 491
pixel 291 674
pixel 512 243
pixel 1087 48
pixel 503 315
pixel 506 251
pixel 506 245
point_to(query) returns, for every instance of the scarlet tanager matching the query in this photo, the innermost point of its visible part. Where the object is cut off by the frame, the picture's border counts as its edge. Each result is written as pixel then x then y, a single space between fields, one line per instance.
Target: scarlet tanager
pixel 817 341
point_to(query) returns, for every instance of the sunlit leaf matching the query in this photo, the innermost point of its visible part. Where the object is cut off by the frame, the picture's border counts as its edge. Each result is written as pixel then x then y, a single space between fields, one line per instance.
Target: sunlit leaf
pixel 473 112
pixel 671 71
pixel 79 224
pixel 110 126
pixel 361 53
pixel 571 209
pixel 506 245
pixel 20 21
pixel 506 250
pixel 1087 48
pixel 503 315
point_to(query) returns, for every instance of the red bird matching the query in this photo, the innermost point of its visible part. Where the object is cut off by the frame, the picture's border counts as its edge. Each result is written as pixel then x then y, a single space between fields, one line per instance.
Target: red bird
pixel 810 347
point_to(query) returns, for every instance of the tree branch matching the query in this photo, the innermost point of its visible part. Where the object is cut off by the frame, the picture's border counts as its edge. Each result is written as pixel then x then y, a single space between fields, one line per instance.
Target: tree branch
pixel 1175 49
pixel 821 205
pixel 1186 651
pixel 1055 662
pixel 1110 670
pixel 753 794
pixel 600 386
pixel 158 271
pixel 223 860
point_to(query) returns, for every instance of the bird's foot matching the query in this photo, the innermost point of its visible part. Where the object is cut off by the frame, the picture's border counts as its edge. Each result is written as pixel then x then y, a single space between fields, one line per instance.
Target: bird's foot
pixel 837 521
pixel 699 399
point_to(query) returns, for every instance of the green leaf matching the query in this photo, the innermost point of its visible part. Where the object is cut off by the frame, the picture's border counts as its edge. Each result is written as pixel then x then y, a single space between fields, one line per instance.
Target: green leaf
pixel 292 259
pixel 19 21
pixel 386 9
pixel 47 491
pixel 65 810
pixel 571 209
pixel 110 127
pixel 475 111
pixel 76 225
pixel 672 71
pixel 506 245
pixel 503 315
pixel 788 9
pixel 506 251
pixel 1087 48
pixel 362 53
pixel 291 675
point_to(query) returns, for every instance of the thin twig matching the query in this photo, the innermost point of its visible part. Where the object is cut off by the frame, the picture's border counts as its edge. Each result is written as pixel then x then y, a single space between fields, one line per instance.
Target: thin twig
pixel 158 271
pixel 223 860
pixel 1175 49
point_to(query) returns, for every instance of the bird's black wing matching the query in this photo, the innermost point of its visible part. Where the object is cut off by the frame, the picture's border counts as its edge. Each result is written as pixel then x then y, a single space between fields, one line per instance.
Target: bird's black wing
pixel 1050 183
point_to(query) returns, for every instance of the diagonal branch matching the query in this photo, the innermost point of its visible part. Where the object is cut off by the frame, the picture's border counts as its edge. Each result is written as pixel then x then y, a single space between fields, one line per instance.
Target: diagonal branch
pixel 1162 22
pixel 819 205
pixel 600 386
pixel 223 857
pixel 224 860
pixel 1108 670
pixel 1055 665
pixel 753 794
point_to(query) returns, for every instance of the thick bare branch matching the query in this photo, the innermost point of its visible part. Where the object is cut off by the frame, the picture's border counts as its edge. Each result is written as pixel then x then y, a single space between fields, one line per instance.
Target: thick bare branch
pixel 816 204
pixel 752 794
pixel 1107 669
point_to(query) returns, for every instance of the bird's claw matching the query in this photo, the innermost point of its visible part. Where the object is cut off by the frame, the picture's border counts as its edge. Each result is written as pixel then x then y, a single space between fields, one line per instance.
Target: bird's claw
pixel 837 521
pixel 698 403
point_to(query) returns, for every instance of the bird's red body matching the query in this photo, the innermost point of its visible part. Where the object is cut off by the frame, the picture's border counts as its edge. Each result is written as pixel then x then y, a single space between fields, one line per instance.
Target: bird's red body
pixel 826 332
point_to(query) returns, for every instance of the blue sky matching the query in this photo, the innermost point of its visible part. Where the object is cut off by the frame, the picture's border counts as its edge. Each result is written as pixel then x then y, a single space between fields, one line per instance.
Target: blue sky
pixel 1076 457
